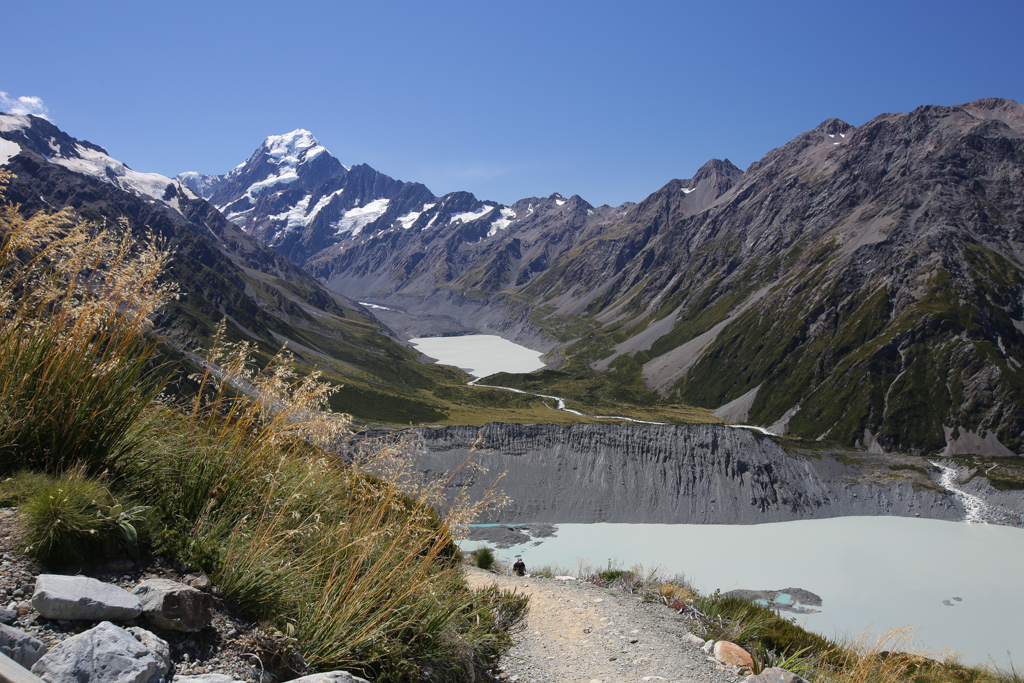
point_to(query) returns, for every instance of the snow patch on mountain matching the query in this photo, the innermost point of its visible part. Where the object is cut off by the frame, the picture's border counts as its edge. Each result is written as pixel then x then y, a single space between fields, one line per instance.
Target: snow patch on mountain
pixel 356 219
pixel 409 219
pixel 507 216
pixel 98 164
pixel 470 216
pixel 204 185
pixel 8 150
pixel 12 122
pixel 295 217
pixel 287 175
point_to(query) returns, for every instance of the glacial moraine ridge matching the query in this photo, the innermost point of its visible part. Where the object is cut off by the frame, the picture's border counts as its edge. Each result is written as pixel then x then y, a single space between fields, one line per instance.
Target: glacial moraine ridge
pixel 693 474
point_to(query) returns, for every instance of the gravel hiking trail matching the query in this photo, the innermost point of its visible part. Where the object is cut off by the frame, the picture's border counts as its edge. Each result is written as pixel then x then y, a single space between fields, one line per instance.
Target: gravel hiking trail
pixel 577 631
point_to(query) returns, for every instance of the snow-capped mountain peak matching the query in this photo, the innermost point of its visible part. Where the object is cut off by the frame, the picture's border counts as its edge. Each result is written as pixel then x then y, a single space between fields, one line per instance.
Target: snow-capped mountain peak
pixel 293 146
pixel 43 138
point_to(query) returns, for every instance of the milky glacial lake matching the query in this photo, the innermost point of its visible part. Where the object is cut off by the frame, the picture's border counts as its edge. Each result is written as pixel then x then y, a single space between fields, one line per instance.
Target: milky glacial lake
pixel 480 354
pixel 872 573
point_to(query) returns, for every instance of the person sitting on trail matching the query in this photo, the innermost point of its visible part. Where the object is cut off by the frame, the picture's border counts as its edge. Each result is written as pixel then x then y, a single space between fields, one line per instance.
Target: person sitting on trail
pixel 519 567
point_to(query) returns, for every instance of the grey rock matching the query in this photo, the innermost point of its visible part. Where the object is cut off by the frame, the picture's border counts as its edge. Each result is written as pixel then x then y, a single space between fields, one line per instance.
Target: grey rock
pixel 7 616
pixel 158 646
pixel 103 654
pixel 79 597
pixel 331 677
pixel 172 605
pixel 20 646
pixel 206 678
pixel 199 581
pixel 775 675
pixel 708 646
pixel 694 640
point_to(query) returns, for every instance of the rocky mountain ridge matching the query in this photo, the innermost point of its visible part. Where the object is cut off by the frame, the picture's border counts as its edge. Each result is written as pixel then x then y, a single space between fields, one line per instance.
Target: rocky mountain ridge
pixel 860 285
pixel 223 272
pixel 430 265
pixel 850 279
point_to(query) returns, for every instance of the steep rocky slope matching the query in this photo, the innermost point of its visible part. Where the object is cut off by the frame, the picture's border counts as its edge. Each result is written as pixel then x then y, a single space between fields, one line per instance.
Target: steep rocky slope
pixel 858 285
pixel 862 285
pixel 694 474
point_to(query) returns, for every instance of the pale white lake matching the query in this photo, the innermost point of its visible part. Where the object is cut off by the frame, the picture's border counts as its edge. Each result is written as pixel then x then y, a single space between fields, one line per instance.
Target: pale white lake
pixel 873 573
pixel 480 354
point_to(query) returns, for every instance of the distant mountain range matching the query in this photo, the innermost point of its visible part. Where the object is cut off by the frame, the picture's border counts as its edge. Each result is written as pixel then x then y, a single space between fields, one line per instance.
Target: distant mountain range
pixel 862 286
pixel 224 273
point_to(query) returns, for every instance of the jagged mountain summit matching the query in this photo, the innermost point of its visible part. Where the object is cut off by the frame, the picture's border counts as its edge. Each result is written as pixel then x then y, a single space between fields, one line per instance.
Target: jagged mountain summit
pixel 429 264
pixel 858 285
pixel 862 285
pixel 224 273
pixel 296 197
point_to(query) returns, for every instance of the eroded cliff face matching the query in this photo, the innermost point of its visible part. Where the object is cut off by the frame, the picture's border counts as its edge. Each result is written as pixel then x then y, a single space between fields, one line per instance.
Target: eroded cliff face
pixel 694 474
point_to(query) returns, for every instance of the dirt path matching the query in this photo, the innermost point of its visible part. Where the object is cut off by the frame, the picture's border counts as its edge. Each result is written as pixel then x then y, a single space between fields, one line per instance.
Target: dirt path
pixel 579 632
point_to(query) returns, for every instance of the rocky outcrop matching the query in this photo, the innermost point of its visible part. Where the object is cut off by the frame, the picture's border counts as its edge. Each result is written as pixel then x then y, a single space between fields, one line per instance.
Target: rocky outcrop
pixel 173 605
pixel 695 474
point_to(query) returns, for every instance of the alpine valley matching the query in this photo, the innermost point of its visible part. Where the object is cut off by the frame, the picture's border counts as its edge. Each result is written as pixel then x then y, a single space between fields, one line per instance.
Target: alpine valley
pixel 857 292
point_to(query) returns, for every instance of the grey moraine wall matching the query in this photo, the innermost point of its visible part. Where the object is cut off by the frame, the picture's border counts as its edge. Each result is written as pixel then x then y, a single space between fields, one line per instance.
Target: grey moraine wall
pixel 692 474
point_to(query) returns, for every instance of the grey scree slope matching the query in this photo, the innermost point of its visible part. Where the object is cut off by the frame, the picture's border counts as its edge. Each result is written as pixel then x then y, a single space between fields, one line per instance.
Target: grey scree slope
pixel 695 474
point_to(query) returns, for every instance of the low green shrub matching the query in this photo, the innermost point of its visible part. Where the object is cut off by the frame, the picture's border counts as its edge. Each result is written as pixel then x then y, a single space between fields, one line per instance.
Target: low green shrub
pixel 757 628
pixel 62 521
pixel 483 558
pixel 21 486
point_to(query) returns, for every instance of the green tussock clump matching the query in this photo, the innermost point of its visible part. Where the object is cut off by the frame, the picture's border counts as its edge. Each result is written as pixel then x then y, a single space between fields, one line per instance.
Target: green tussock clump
pixel 345 555
pixel 72 518
pixel 483 558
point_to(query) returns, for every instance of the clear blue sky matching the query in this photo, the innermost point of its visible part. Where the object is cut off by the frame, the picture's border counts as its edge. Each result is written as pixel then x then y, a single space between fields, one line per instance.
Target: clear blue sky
pixel 608 100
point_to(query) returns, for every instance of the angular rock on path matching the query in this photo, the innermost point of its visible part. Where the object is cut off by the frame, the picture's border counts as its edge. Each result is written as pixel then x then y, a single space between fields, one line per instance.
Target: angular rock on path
pixel 79 597
pixel 732 654
pixel 103 654
pixel 694 640
pixel 172 605
pixel 775 675
pixel 20 646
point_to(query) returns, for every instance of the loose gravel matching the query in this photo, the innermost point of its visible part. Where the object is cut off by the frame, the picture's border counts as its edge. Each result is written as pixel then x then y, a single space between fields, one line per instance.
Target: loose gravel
pixel 577 631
